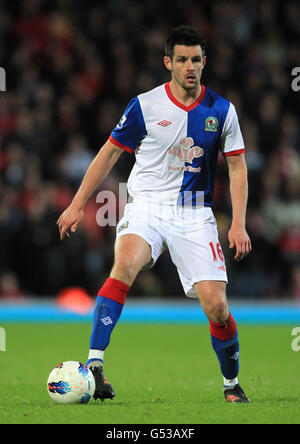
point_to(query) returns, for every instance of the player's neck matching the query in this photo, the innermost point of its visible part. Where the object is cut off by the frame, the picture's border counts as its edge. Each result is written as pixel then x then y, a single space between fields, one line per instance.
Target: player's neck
pixel 186 97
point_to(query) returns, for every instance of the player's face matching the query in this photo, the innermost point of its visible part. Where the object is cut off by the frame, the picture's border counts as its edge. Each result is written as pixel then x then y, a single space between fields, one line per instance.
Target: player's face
pixel 186 66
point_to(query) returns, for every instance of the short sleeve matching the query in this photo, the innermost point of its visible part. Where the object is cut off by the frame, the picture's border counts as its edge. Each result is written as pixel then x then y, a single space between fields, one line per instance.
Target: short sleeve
pixel 232 142
pixel 131 128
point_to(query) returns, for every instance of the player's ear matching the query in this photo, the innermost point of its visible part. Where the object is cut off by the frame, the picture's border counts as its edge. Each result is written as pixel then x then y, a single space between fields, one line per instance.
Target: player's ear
pixel 168 63
pixel 204 61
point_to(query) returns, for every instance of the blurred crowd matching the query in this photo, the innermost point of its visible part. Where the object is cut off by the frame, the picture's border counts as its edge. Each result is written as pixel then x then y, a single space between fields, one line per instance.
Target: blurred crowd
pixel 71 68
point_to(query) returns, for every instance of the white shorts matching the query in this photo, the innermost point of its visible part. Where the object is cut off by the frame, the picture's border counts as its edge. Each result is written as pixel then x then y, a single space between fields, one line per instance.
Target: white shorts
pixel 190 235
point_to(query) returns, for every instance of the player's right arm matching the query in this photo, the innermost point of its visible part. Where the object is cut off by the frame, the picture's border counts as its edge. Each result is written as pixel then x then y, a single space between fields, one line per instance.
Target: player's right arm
pixel 96 173
pixel 125 136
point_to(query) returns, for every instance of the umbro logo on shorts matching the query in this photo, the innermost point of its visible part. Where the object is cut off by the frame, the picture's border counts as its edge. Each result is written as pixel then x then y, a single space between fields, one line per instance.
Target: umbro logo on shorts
pixel 164 123
pixel 106 321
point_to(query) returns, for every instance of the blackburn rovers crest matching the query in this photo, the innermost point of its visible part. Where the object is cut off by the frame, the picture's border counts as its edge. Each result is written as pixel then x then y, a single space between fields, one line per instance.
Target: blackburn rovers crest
pixel 211 124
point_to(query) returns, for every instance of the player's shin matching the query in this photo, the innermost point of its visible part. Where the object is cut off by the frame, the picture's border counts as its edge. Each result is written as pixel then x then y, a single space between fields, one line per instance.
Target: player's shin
pixel 224 338
pixel 109 306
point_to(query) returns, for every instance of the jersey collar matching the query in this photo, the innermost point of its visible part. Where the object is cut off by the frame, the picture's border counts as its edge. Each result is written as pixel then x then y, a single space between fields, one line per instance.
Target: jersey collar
pixel 179 104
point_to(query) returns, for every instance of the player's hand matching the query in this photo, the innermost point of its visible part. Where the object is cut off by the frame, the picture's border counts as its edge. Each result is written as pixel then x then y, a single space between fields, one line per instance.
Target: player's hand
pixel 69 220
pixel 238 238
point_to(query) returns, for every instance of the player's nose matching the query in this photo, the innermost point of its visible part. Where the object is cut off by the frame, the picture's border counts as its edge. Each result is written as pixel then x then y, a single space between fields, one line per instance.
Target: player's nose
pixel 190 66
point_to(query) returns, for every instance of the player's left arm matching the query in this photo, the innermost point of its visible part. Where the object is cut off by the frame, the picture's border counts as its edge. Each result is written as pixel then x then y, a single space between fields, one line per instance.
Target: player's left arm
pixel 237 235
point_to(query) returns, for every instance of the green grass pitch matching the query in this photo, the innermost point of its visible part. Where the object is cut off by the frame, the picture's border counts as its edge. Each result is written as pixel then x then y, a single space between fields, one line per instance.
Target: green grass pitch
pixel 162 374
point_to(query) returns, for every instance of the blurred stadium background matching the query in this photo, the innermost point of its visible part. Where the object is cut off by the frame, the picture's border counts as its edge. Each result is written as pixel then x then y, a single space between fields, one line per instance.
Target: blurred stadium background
pixel 71 68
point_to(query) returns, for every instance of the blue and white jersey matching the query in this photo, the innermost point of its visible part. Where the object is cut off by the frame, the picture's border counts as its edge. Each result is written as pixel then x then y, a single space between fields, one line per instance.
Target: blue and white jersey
pixel 176 147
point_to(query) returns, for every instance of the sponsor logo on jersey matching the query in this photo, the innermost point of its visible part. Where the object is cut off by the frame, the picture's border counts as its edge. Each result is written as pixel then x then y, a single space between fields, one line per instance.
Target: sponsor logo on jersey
pixel 186 150
pixel 185 168
pixel 211 124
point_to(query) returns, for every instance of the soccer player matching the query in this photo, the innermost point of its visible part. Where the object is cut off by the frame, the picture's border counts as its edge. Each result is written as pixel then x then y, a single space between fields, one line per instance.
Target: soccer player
pixel 176 132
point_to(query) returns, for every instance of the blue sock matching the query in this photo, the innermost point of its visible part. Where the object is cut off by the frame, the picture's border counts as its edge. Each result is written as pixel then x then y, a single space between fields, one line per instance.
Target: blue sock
pixel 109 305
pixel 227 352
pixel 106 315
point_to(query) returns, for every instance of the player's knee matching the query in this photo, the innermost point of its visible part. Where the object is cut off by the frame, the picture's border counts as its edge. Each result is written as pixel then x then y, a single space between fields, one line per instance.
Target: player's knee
pixel 125 269
pixel 213 301
pixel 217 310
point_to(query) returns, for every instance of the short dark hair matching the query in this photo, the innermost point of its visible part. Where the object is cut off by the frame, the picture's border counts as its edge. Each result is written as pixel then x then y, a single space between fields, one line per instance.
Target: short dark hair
pixel 183 35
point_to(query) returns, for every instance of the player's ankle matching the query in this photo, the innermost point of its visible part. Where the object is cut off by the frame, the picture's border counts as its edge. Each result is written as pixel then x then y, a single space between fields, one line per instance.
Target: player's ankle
pixel 227 383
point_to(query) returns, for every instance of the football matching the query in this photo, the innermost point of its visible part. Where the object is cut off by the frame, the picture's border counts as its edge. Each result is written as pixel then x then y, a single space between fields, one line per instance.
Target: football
pixel 71 382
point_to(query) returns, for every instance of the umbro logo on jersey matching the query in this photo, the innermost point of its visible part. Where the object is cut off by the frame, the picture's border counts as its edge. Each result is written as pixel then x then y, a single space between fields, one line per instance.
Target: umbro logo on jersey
pixel 164 123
